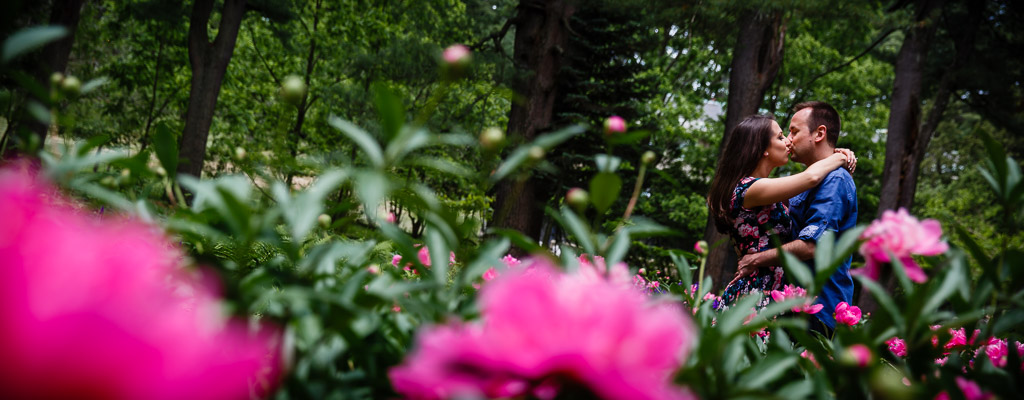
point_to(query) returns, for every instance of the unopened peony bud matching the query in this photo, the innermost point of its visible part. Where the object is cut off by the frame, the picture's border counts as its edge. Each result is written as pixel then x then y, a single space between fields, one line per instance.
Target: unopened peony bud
pixel 373 269
pixel 56 78
pixel 614 124
pixel 108 181
pixel 293 89
pixel 537 153
pixel 71 86
pixel 857 355
pixel 492 138
pixel 701 247
pixel 577 198
pixel 456 54
pixel 160 170
pixel 239 153
pixel 648 157
pixel 324 220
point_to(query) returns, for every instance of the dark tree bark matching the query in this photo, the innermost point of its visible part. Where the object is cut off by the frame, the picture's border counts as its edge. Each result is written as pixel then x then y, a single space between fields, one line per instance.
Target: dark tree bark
pixel 756 60
pixel 908 137
pixel 209 62
pixel 53 58
pixel 542 33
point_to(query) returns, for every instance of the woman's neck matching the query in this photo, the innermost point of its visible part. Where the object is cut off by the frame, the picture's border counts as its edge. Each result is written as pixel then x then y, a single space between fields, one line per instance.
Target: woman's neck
pixel 763 169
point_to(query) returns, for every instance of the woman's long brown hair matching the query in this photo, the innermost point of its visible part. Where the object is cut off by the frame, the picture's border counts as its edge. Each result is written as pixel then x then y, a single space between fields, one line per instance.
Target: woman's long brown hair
pixel 740 155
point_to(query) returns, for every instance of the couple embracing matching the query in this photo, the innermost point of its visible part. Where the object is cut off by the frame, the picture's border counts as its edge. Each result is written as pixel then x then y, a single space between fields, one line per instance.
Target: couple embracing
pixel 752 207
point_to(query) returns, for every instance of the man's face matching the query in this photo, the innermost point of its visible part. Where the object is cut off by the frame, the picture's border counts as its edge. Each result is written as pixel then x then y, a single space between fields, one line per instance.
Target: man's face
pixel 801 137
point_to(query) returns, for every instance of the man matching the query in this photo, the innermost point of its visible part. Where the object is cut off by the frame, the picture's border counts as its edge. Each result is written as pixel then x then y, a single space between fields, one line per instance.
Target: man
pixel 832 206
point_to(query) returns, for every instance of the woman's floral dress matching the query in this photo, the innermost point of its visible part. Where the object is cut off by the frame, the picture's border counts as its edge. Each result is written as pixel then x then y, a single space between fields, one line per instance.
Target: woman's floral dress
pixel 752 230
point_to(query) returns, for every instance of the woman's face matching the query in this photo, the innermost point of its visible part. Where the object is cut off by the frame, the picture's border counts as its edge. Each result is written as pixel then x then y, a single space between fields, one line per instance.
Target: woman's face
pixel 779 147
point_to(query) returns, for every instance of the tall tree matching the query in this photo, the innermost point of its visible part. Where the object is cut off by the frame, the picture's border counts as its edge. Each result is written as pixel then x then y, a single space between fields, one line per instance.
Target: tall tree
pixel 209 61
pixel 542 33
pixel 757 57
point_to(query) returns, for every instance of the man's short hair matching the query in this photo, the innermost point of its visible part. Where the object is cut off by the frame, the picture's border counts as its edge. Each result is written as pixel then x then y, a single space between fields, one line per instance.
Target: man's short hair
pixel 822 114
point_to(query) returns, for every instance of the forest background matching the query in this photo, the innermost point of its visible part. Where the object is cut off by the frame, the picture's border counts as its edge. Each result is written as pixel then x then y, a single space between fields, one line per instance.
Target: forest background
pixel 918 84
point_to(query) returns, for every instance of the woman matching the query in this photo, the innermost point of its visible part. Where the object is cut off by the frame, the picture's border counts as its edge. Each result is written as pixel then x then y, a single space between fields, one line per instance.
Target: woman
pixel 752 207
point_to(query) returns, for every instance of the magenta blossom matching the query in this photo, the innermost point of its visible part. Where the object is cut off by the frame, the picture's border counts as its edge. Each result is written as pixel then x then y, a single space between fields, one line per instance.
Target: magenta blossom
pixel 997 351
pixel 543 332
pixel 614 124
pixel 971 390
pixel 897 346
pixel 100 309
pixel 795 292
pixel 847 314
pixel 902 235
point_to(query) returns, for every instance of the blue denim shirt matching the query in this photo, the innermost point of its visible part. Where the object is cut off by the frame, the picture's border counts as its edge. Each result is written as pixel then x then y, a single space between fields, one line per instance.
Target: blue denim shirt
pixel 832 206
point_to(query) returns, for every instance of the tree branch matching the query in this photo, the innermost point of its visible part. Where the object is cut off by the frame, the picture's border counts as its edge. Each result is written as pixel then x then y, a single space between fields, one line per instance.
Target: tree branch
pixel 845 64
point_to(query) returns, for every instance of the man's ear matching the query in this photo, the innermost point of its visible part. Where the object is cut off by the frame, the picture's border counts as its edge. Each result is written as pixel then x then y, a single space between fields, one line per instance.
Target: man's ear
pixel 820 134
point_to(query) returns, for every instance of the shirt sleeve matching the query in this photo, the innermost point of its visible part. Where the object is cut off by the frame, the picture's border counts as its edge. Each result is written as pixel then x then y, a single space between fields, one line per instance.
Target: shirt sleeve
pixel 741 192
pixel 828 207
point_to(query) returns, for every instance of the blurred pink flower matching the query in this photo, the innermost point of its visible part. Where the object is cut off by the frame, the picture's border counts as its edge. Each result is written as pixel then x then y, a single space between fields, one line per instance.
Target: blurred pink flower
pixel 490 274
pixel 396 259
pixel 100 310
pixel 597 270
pixel 542 332
pixel 614 124
pixel 810 356
pixel 857 355
pixel 796 292
pixel 971 390
pixel 897 346
pixel 902 235
pixel 510 261
pixel 390 218
pixel 456 54
pixel 957 338
pixel 847 314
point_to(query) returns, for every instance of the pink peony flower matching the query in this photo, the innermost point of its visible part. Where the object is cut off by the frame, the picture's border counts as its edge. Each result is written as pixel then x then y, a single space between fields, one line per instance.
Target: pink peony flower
pixel 396 259
pixel 997 351
pixel 897 346
pixel 542 332
pixel 101 310
pixel 390 218
pixel 847 314
pixel 857 355
pixel 614 124
pixel 510 261
pixel 796 292
pixel 902 235
pixel 456 54
pixel 971 389
pixel 490 274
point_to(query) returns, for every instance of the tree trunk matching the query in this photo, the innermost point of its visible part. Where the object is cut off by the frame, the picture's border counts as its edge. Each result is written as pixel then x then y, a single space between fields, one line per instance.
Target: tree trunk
pixel 542 33
pixel 53 58
pixel 756 60
pixel 209 63
pixel 908 138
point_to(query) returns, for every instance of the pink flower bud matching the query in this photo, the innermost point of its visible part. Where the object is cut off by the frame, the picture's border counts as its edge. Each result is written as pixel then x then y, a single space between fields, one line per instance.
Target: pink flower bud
pixel 857 355
pixel 456 54
pixel 701 247
pixel 614 124
pixel 577 198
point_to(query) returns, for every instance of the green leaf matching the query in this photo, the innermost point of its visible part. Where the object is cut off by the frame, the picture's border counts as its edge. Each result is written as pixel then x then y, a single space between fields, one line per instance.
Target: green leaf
pixel 575 227
pixel 361 138
pixel 618 247
pixel 627 138
pixel 407 141
pixel 94 84
pixel 799 271
pixel 953 277
pixel 767 370
pixel 438 254
pixel 880 295
pixel 823 249
pixel 604 190
pixel 390 108
pixel 166 149
pixel 640 227
pixel 30 39
pixel 489 256
pixel 371 187
pixel 550 140
pixel 442 165
pixel 732 318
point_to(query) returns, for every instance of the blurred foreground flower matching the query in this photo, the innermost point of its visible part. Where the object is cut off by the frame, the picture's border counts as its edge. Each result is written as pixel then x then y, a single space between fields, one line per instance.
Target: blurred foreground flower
pixel 545 334
pixel 99 310
pixel 903 236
